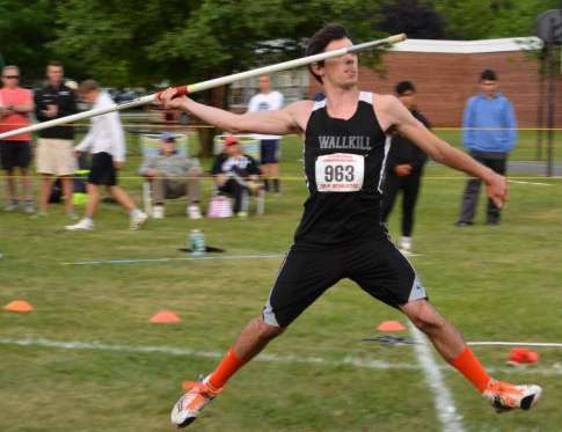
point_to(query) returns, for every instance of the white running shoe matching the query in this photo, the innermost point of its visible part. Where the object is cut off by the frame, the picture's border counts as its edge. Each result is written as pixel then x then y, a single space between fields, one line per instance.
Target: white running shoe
pixel 29 207
pixel 505 396
pixel 83 225
pixel 11 206
pixel 158 212
pixel 137 219
pixel 189 406
pixel 406 245
pixel 193 212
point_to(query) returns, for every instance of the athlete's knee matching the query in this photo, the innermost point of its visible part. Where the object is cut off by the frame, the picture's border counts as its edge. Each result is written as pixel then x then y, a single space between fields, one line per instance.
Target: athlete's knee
pixel 424 316
pixel 266 331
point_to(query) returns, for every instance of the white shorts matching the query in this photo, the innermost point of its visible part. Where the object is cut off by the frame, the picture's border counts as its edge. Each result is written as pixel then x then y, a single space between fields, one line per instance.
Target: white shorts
pixel 55 157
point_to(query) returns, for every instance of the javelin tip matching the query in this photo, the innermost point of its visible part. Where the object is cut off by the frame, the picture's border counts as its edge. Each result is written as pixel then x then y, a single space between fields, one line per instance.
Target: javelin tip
pixel 397 38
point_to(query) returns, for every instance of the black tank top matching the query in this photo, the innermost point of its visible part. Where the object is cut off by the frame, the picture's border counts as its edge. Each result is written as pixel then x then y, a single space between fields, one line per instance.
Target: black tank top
pixel 342 206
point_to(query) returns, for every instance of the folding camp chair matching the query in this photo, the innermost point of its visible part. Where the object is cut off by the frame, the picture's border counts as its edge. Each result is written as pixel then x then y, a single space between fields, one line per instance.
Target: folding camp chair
pixel 150 146
pixel 251 147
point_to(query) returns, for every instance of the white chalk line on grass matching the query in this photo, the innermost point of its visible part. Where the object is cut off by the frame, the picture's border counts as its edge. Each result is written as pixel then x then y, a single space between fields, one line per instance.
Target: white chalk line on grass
pixel 158 260
pixel 443 400
pixel 529 183
pixel 349 360
pixel 188 352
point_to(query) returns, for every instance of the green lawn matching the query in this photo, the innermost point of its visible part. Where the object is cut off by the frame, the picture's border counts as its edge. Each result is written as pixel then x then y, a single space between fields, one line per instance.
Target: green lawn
pixel 498 283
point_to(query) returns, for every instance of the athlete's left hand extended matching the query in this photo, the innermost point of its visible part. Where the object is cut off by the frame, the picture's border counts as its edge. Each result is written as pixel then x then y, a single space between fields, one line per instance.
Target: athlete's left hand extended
pixel 496 186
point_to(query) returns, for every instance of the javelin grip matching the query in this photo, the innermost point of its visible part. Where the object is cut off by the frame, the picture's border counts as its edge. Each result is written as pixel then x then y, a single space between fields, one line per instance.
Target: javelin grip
pixel 181 91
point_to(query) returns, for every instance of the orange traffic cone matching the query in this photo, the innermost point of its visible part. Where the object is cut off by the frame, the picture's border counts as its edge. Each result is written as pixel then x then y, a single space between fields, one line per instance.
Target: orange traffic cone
pixel 19 306
pixel 519 356
pixel 165 317
pixel 391 326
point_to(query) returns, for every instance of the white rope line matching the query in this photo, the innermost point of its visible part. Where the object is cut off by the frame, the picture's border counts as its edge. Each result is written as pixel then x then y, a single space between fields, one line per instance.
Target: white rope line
pixel 529 344
pixel 159 260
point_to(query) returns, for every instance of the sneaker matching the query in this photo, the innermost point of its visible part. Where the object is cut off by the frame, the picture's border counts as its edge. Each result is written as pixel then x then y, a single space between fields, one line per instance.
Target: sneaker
pixel 137 219
pixel 193 212
pixel 242 214
pixel 158 212
pixel 462 224
pixel 406 245
pixel 84 225
pixel 29 207
pixel 505 397
pixel 189 406
pixel 11 206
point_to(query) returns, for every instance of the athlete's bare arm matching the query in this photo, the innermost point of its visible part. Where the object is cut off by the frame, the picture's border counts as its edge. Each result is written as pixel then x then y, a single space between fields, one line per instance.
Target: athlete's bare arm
pixel 290 119
pixel 392 113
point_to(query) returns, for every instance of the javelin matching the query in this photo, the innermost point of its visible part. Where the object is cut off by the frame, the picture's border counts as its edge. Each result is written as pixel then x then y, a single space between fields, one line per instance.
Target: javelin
pixel 205 85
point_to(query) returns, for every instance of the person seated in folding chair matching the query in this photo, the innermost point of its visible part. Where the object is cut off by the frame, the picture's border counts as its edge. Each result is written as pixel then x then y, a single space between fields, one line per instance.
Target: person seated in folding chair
pixel 172 175
pixel 236 174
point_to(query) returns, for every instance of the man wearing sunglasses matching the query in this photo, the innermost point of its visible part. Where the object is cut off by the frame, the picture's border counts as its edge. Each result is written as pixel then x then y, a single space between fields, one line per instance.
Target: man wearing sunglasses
pixel 15 105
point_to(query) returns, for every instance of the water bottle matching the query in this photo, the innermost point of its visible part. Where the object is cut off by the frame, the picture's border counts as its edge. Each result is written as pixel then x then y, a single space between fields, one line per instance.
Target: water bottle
pixel 197 239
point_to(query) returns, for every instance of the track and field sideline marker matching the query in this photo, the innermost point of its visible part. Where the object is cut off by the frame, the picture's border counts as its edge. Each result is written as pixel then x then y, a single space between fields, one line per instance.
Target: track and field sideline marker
pixel 530 344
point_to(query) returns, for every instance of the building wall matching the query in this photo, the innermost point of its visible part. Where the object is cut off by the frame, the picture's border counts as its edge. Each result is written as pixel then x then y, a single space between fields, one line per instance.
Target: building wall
pixel 445 81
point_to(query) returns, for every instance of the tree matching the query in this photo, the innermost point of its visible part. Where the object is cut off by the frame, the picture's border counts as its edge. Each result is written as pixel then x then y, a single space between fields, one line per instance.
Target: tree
pixel 478 19
pixel 416 19
pixel 109 40
pixel 25 28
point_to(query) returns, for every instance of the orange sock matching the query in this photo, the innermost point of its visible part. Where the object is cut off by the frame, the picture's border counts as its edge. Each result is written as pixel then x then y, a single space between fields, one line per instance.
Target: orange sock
pixel 467 364
pixel 226 368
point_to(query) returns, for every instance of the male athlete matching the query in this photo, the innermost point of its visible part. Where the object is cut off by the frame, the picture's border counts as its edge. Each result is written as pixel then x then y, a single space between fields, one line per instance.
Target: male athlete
pixel 346 143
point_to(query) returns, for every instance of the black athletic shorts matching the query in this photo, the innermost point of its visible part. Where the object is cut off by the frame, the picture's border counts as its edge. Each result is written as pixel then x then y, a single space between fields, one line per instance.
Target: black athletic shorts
pixel 102 170
pixel 375 265
pixel 15 154
pixel 269 151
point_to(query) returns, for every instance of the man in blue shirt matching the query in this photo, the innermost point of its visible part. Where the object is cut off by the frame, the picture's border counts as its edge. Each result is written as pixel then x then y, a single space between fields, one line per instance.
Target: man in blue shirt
pixel 489 134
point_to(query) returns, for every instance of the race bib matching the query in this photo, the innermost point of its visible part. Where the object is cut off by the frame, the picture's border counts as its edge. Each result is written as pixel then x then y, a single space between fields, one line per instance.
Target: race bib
pixel 340 172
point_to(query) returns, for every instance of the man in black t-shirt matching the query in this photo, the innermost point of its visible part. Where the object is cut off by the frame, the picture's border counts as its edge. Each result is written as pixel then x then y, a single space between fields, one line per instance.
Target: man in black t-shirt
pixel 404 169
pixel 55 153
pixel 236 174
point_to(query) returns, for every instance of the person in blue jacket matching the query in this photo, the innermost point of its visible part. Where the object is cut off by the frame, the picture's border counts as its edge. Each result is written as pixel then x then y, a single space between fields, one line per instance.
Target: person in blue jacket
pixel 489 134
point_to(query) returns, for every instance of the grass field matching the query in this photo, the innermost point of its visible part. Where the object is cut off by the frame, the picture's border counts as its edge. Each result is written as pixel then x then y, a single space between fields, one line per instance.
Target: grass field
pixel 496 284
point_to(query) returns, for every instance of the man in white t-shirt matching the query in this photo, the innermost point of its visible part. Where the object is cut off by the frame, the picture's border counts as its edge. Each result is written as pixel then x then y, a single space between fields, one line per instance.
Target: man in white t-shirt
pixel 268 100
pixel 105 141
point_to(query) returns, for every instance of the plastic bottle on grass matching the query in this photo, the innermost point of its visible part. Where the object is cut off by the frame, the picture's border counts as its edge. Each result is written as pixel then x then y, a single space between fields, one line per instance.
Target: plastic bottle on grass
pixel 197 240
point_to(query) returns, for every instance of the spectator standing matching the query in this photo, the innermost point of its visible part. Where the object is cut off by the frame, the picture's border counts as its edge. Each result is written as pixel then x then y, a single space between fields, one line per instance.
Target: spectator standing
pixel 268 100
pixel 236 174
pixel 405 169
pixel 15 152
pixel 489 134
pixel 172 175
pixel 55 156
pixel 106 143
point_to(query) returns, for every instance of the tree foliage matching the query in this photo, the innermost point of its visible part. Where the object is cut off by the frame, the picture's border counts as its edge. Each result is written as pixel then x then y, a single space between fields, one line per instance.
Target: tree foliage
pixel 479 19
pixel 140 42
pixel 415 18
pixel 25 27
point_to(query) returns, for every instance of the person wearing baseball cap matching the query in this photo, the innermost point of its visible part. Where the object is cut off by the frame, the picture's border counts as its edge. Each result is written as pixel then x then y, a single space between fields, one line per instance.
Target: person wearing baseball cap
pixel 173 175
pixel 236 174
